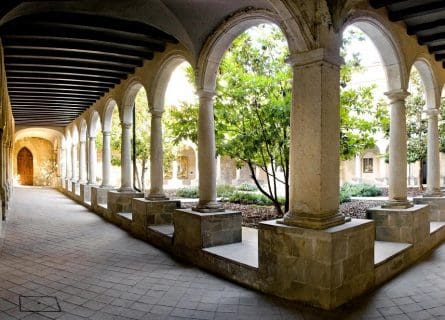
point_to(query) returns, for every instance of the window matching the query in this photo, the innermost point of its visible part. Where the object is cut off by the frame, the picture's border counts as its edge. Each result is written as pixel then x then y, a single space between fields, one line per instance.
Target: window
pixel 368 165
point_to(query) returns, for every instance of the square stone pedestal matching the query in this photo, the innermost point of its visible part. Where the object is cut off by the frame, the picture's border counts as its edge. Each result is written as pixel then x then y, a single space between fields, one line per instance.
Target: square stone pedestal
pixel 148 212
pixel 323 268
pixel 121 201
pixel 196 230
pixel 85 193
pixel 99 199
pixel 67 185
pixel 437 206
pixel 411 225
pixel 75 188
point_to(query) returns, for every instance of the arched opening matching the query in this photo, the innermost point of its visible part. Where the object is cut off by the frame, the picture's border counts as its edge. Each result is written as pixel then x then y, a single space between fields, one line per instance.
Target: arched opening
pixel 25 167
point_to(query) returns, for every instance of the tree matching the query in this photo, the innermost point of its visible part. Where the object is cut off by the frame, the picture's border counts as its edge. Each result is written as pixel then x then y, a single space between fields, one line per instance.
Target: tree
pixel 416 125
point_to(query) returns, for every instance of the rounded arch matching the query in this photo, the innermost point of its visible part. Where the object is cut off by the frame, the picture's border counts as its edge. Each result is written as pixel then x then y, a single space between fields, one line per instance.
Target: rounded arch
pixel 162 77
pixel 389 49
pixel 132 90
pixel 107 114
pixel 432 92
pixel 44 133
pixel 83 129
pixel 93 123
pixel 218 43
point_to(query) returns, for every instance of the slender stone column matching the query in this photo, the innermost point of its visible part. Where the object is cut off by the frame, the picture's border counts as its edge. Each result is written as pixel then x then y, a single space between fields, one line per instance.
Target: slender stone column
pixel 92 160
pixel 82 162
pixel 73 162
pixel 207 155
pixel 106 160
pixel 68 165
pixel 314 143
pixel 397 151
pixel 126 166
pixel 156 158
pixel 433 157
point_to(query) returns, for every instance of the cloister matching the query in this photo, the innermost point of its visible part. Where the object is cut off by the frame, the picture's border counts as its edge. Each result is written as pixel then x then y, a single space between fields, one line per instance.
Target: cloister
pixel 66 65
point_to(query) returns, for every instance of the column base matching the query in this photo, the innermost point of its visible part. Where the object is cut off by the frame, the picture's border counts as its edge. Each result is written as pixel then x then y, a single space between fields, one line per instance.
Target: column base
pixel 196 230
pixel 85 193
pixel 313 221
pixel 156 197
pixel 397 204
pixel 437 206
pixel 410 225
pixel 99 198
pixel 126 189
pixel 433 194
pixel 323 268
pixel 209 207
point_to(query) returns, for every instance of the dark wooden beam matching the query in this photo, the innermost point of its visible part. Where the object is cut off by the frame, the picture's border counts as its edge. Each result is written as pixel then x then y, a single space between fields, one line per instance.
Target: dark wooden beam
pixel 61 94
pixel 12 88
pixel 414 29
pixel 376 4
pixel 440 36
pixel 64 77
pixel 417 11
pixel 55 84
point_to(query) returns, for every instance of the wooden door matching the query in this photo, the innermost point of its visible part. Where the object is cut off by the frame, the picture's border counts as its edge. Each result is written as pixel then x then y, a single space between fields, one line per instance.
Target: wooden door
pixel 24 167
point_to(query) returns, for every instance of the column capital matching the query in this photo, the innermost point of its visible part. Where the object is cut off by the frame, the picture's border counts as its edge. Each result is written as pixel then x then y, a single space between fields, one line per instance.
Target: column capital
pixel 106 133
pixel 431 112
pixel 302 59
pixel 156 113
pixel 202 93
pixel 397 95
pixel 126 125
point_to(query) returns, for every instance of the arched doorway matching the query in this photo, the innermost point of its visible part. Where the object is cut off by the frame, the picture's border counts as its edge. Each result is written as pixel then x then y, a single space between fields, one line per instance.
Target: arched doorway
pixel 25 167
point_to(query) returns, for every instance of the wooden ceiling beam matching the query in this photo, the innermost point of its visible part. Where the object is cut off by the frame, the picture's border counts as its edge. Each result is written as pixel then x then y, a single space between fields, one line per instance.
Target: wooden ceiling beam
pixel 417 11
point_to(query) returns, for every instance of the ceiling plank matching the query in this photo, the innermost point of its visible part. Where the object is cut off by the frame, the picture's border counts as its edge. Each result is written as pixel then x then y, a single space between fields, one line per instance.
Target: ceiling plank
pixel 417 11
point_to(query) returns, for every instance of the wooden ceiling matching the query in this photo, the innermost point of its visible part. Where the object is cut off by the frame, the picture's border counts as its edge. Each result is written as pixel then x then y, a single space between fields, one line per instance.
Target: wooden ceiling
pixel 423 18
pixel 58 64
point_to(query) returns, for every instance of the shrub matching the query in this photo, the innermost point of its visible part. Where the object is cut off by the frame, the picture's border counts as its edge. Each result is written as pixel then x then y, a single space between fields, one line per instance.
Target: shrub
pixel 344 196
pixel 247 187
pixel 360 190
pixel 224 190
pixel 249 198
pixel 188 192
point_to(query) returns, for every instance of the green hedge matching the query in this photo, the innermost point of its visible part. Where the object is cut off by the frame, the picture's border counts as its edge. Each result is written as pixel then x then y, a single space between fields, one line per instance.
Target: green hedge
pixel 360 190
pixel 188 192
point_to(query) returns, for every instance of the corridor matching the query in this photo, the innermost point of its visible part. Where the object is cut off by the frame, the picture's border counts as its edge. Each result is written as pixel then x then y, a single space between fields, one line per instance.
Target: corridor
pixel 60 261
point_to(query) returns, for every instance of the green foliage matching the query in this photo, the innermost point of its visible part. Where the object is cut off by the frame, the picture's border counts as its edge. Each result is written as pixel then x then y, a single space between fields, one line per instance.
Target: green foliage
pixel 360 117
pixel 359 190
pixel 225 190
pixel 251 198
pixel 344 196
pixel 115 138
pixel 188 192
pixel 247 187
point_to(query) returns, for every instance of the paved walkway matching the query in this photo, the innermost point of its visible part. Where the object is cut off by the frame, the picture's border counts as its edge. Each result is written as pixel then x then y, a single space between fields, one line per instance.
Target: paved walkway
pixel 56 248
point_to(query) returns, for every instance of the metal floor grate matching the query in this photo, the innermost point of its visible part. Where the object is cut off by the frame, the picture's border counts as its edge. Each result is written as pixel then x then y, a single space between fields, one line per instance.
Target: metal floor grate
pixel 39 304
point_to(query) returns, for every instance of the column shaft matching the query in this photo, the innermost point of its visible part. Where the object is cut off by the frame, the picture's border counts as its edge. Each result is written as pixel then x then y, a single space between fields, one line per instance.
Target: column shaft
pixel 315 147
pixel 82 162
pixel 156 158
pixel 433 157
pixel 74 162
pixel 397 151
pixel 126 165
pixel 92 160
pixel 207 154
pixel 106 160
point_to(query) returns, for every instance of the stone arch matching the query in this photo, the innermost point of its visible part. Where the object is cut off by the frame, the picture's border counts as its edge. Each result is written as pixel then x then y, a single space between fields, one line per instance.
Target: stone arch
pixel 82 129
pixel 74 134
pixel 162 78
pixel 93 123
pixel 218 43
pixel 132 90
pixel 388 47
pixel 432 92
pixel 107 114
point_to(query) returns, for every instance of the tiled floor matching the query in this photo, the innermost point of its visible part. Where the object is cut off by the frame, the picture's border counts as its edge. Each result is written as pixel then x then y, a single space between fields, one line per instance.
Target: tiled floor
pixel 56 248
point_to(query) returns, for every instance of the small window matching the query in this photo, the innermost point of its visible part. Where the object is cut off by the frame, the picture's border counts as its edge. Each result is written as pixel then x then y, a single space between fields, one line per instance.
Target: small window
pixel 368 165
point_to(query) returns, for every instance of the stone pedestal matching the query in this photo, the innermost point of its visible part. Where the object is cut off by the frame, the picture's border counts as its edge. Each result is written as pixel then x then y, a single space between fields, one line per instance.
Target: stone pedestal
pixel 85 193
pixel 147 212
pixel 75 188
pixel 324 268
pixel 437 206
pixel 67 184
pixel 196 230
pixel 410 225
pixel 99 196
pixel 121 201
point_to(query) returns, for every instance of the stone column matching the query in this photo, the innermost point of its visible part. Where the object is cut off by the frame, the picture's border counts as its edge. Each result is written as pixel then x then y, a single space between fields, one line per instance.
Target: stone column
pixel 207 155
pixel 156 158
pixel 92 160
pixel 73 162
pixel 69 172
pixel 433 157
pixel 106 159
pixel 82 162
pixel 314 142
pixel 126 166
pixel 397 151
